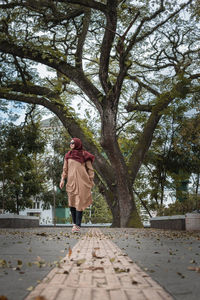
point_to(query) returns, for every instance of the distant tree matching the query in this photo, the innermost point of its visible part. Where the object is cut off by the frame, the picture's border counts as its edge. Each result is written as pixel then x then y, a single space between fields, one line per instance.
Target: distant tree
pixel 172 163
pixel 99 211
pixel 20 174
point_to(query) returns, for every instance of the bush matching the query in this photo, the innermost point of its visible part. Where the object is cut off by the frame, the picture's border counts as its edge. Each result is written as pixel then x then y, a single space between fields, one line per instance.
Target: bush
pixel 181 208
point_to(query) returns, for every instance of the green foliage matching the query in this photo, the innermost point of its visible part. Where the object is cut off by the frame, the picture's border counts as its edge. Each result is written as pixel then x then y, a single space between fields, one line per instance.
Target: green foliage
pixel 99 212
pixel 20 173
pixel 192 203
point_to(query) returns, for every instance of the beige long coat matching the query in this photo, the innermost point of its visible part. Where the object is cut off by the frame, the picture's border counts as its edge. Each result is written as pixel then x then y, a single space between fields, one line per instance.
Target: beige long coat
pixel 79 183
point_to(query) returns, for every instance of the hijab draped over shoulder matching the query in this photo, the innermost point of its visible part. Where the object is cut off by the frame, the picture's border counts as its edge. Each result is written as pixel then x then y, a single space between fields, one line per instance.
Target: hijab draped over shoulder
pixel 78 153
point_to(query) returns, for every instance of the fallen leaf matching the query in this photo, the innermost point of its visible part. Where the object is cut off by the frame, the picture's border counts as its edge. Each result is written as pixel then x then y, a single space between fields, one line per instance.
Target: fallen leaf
pixel 94 255
pixel 80 262
pixel 3 298
pixel 29 264
pixel 30 288
pixel 3 263
pixel 118 270
pixel 197 269
pixel 134 281
pixel 192 261
pixel 180 274
pixel 70 252
pixel 41 234
pixel 112 259
pixel 19 262
pixel 95 268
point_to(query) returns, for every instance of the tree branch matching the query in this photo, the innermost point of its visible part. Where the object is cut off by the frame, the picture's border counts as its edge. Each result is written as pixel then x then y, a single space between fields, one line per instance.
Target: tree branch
pixel 87 3
pixel 135 40
pixel 146 137
pixel 144 85
pixel 135 107
pixel 106 46
pixel 51 60
pixel 81 40
pixel 70 123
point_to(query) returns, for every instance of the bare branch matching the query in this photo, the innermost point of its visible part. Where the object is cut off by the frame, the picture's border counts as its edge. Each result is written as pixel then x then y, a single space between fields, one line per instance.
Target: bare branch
pixel 144 85
pixel 109 35
pixel 87 3
pixel 57 63
pixel 135 39
pixel 82 38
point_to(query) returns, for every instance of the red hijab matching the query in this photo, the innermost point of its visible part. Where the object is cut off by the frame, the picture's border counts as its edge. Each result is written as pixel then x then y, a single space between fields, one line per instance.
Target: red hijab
pixel 78 153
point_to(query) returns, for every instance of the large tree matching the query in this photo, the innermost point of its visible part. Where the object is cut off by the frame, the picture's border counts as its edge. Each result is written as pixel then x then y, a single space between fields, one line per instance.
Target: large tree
pixel 139 56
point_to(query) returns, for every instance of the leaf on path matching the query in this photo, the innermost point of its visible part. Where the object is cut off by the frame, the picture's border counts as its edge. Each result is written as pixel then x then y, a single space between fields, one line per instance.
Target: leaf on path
pixel 134 281
pixel 3 263
pixel 197 269
pixel 40 298
pixel 95 268
pixel 42 234
pixel 118 270
pixel 180 274
pixel 29 264
pixel 193 261
pixel 30 288
pixel 96 256
pixel 70 252
pixel 40 262
pixel 112 259
pixel 19 263
pixel 3 298
pixel 80 262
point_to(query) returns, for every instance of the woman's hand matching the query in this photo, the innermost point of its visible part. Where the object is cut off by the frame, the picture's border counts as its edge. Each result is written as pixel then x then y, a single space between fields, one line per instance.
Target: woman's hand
pixel 62 182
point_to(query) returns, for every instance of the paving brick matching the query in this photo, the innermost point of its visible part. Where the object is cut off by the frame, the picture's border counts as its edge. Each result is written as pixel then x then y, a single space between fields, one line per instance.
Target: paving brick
pixel 117 294
pixel 66 294
pixel 50 292
pixel 97 269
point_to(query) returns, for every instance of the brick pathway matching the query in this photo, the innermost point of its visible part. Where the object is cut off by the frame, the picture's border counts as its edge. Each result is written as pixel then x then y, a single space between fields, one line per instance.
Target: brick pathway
pixel 97 269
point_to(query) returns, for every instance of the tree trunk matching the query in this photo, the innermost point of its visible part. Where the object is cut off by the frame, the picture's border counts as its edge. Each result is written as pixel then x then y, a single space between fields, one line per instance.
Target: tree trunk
pixel 127 215
pixel 17 204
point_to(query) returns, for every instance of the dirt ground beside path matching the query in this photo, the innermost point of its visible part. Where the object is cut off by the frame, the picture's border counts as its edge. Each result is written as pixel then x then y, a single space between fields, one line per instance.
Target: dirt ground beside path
pixel 172 258
pixel 27 256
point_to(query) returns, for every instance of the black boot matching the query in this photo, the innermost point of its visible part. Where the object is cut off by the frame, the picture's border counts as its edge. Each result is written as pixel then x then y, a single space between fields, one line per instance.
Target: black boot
pixel 73 213
pixel 79 215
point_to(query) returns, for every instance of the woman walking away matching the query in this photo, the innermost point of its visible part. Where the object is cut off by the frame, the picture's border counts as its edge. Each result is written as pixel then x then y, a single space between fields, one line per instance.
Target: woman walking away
pixel 78 171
